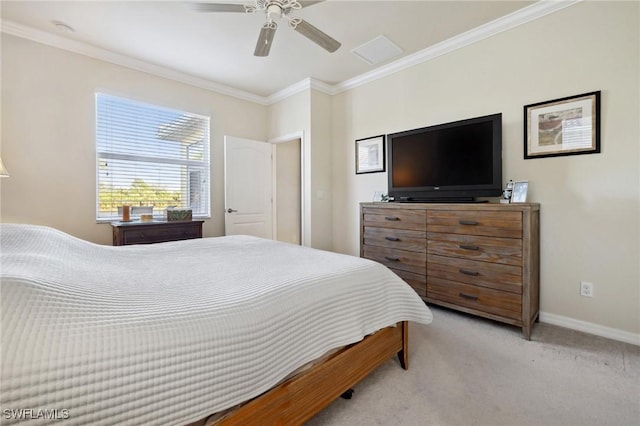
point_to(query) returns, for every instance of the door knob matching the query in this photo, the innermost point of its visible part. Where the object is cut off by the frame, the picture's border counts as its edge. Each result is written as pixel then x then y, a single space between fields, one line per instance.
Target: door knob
pixel 231 210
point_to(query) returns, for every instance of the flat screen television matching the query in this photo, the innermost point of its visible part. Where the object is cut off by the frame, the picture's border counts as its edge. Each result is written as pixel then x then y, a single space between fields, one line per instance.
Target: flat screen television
pixel 449 162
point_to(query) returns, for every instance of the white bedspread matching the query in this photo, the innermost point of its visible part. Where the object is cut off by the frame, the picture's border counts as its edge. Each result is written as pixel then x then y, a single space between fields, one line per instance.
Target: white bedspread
pixel 171 332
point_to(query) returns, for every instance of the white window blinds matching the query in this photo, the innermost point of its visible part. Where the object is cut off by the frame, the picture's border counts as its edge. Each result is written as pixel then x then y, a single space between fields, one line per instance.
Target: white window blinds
pixel 150 156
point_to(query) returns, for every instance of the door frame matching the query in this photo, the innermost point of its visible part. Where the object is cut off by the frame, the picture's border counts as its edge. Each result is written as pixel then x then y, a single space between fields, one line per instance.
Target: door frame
pixel 305 189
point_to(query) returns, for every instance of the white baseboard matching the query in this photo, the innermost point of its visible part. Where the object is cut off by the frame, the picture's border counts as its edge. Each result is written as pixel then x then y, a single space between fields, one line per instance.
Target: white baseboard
pixel 591 328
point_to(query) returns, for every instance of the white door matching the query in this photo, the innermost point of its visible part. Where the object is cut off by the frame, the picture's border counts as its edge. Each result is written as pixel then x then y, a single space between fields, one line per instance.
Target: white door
pixel 248 187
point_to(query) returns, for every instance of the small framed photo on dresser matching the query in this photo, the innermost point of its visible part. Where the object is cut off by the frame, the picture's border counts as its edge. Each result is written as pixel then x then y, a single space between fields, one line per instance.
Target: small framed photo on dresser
pixel 519 194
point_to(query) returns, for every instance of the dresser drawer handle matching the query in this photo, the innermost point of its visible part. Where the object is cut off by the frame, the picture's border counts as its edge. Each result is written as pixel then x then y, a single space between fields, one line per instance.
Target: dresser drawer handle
pixel 468 272
pixel 392 238
pixel 467 247
pixel 392 259
pixel 391 218
pixel 468 222
pixel 468 296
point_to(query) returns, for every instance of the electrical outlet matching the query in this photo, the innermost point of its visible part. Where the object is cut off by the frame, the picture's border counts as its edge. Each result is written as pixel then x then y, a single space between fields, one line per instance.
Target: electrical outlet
pixel 586 289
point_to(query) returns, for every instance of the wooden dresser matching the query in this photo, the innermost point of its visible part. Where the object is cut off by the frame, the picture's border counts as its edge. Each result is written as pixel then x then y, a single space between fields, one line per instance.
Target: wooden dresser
pixel 482 258
pixel 125 233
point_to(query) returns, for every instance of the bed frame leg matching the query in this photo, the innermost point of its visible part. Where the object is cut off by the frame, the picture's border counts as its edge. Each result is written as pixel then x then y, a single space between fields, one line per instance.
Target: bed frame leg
pixel 403 355
pixel 347 394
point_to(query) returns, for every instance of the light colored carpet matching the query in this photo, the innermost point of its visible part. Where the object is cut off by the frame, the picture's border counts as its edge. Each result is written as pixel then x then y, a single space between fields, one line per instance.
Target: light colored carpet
pixel 465 370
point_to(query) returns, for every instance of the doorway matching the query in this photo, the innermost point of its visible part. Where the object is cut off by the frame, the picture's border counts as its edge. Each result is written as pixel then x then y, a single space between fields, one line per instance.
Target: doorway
pixel 288 191
pixel 280 193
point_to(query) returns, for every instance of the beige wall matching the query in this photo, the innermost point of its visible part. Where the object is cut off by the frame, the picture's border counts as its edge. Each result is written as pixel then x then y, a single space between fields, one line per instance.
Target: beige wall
pixel 321 170
pixel 48 133
pixel 590 204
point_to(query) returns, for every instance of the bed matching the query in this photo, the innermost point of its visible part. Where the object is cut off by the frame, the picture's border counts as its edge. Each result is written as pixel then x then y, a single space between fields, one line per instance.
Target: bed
pixel 171 333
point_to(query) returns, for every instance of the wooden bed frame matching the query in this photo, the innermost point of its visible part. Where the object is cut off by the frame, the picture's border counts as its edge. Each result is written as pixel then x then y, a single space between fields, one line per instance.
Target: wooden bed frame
pixel 298 399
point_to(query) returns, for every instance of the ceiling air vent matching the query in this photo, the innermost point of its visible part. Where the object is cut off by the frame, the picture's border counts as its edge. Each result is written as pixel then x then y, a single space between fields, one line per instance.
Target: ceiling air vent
pixel 377 51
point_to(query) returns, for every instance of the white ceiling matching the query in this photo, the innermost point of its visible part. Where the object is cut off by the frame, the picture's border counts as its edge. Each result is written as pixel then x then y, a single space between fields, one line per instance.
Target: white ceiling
pixel 218 47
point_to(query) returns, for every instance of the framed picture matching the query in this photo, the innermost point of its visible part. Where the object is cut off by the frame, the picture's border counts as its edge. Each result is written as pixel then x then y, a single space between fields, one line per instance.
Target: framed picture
pixel 565 126
pixel 370 156
pixel 519 194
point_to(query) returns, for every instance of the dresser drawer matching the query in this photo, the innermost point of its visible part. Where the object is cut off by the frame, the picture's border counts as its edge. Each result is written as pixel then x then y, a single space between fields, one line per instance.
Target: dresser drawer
pixel 403 260
pixel 489 223
pixel 152 234
pixel 490 275
pixel 506 251
pixel 482 299
pixel 402 239
pixel 395 218
pixel 417 281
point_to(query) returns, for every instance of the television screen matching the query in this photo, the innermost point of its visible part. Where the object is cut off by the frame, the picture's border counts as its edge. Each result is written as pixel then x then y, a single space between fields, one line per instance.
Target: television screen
pixel 460 159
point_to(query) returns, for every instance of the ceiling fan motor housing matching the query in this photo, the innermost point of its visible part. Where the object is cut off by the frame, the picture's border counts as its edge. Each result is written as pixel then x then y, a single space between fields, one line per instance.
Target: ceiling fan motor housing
pixel 274 11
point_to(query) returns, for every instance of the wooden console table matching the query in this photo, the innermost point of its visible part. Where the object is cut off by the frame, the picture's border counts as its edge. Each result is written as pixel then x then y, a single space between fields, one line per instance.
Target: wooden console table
pixel 137 232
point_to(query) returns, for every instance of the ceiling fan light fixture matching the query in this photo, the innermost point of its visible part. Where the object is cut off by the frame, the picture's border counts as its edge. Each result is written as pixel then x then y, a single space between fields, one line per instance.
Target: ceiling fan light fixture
pixel 274 11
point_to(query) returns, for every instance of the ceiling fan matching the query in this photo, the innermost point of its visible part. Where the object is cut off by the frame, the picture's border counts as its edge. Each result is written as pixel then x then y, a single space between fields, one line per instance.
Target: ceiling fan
pixel 275 10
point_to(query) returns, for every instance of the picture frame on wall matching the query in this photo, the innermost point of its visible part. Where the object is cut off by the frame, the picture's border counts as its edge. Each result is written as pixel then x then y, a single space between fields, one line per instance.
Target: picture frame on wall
pixel 370 155
pixel 519 194
pixel 564 126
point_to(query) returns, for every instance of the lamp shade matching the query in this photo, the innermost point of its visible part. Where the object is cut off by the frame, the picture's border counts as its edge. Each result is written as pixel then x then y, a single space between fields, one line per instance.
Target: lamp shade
pixel 3 170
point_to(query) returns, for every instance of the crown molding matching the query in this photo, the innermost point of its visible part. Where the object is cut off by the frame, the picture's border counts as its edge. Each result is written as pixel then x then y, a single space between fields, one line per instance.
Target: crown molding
pixel 306 84
pixel 505 23
pixel 43 37
pixel 321 86
pixel 294 89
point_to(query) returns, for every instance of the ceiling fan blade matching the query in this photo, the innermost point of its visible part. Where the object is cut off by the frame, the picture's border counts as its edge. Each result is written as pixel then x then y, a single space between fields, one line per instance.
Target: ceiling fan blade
pixel 219 7
pixel 306 3
pixel 263 46
pixel 303 4
pixel 317 36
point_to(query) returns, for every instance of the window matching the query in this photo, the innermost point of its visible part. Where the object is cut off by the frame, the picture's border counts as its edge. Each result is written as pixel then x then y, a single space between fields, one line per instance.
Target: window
pixel 150 156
